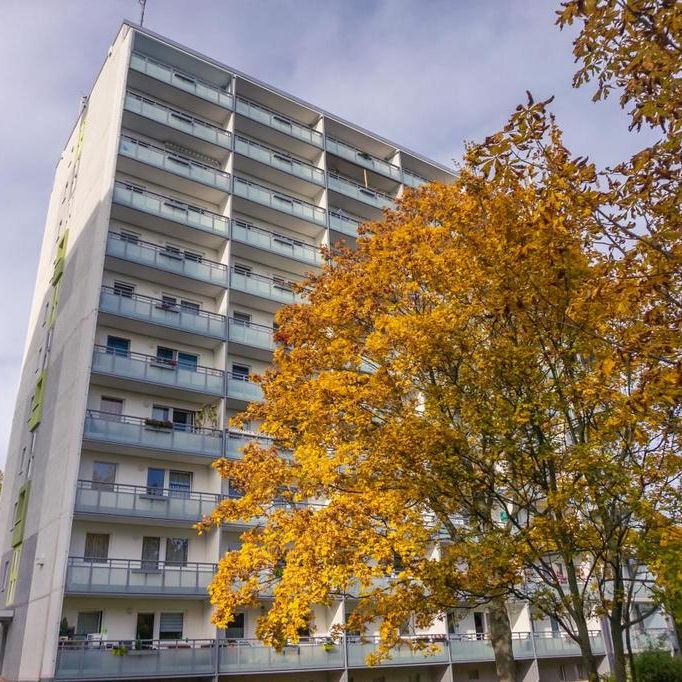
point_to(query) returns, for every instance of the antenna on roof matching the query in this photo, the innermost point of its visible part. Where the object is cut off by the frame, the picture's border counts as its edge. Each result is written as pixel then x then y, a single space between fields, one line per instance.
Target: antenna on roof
pixel 142 5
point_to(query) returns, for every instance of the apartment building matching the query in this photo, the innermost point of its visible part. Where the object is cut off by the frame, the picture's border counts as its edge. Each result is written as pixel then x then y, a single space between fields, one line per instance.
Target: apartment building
pixel 188 199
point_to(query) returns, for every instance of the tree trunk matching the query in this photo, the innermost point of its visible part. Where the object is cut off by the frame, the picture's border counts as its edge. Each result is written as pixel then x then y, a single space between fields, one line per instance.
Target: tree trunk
pixel 501 640
pixel 586 655
pixel 618 649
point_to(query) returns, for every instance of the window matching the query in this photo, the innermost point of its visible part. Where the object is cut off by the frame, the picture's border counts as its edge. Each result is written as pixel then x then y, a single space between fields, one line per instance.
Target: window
pixel 180 483
pixel 129 237
pixel 188 360
pixel 474 674
pixel 103 475
pixel 160 413
pixel 241 318
pixel 150 553
pixel 190 306
pixel 235 630
pixel 193 256
pixel 480 624
pixel 240 372
pixel 172 252
pixel 169 303
pixel 88 622
pixel 453 623
pixel 176 551
pixel 123 289
pixel 173 358
pixel 19 516
pixel 13 574
pixel 165 356
pixel 23 459
pixel 170 626
pixel 244 270
pixel 183 420
pixel 117 345
pixel 281 283
pixel 145 626
pixel 112 407
pixel 155 481
pixel 96 547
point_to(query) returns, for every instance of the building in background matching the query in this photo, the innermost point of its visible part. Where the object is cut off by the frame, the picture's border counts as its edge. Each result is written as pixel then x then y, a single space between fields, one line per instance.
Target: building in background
pixel 187 200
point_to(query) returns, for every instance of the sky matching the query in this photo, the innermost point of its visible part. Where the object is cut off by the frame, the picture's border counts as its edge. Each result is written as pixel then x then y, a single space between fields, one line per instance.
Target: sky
pixel 427 74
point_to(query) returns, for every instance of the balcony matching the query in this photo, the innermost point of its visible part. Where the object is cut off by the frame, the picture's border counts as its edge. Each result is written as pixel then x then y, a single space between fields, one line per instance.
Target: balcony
pixel 127 434
pixel 412 179
pixel 249 339
pixel 240 389
pixel 130 576
pixel 358 652
pixel 276 207
pixel 341 222
pixel 162 659
pixel 183 129
pixel 652 638
pixel 279 166
pixel 96 499
pixel 270 292
pixel 167 215
pixel 174 265
pixel 358 193
pixel 363 159
pixel 119 368
pixel 236 440
pixel 246 237
pixel 175 171
pixel 179 323
pixel 155 77
pixel 278 122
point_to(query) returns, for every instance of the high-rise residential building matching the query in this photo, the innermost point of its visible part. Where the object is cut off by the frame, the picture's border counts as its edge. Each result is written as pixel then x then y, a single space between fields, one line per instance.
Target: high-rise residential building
pixel 188 198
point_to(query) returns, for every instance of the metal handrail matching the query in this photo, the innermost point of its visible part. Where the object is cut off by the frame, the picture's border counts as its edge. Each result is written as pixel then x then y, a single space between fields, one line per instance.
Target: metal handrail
pixel 364 159
pixel 157 361
pixel 359 187
pixel 142 564
pixel 147 491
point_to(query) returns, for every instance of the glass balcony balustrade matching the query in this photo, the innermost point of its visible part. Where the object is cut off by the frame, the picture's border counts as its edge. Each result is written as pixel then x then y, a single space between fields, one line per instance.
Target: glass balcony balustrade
pixel 250 334
pixel 413 180
pixel 402 655
pixel 236 440
pixel 126 430
pixel 278 201
pixel 265 287
pixel 359 192
pixel 162 312
pixel 182 81
pixel 166 207
pixel 240 387
pixel 119 499
pixel 342 222
pixel 166 258
pixel 173 163
pixel 363 159
pixel 246 233
pixel 278 160
pixel 155 370
pixel 278 122
pixel 142 576
pixel 179 120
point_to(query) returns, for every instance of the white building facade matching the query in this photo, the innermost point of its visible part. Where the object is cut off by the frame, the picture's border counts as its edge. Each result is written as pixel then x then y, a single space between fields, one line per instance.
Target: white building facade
pixel 187 200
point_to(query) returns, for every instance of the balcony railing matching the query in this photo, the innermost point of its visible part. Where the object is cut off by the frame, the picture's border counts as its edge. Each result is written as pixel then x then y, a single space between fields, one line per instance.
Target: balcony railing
pixel 236 440
pixel 359 192
pixel 170 209
pixel 174 163
pixel 412 180
pixel 155 658
pixel 651 638
pixel 165 258
pixel 119 499
pixel 152 369
pixel 250 334
pixel 246 233
pixel 241 387
pixel 157 311
pixel 182 81
pixel 262 286
pixel 278 201
pixel 363 159
pixel 276 121
pixel 143 432
pixel 343 223
pixel 278 160
pixel 144 576
pixel 179 120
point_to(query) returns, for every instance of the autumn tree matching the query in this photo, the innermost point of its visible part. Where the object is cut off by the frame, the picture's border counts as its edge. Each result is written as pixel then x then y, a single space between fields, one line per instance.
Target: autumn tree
pixel 488 386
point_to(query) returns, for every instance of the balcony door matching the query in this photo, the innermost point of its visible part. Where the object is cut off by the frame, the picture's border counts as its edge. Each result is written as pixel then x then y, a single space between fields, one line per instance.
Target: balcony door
pixel 150 553
pixel 145 626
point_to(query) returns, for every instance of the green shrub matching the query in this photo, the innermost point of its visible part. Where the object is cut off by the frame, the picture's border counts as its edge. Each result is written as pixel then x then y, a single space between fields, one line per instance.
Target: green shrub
pixel 658 666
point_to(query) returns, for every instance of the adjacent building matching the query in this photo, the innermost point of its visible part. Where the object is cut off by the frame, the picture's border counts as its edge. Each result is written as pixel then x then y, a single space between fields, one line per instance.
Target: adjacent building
pixel 188 199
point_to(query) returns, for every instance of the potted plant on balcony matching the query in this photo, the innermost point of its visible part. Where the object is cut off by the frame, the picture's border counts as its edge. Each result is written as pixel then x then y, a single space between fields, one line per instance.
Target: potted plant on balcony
pixel 119 650
pixel 207 417
pixel 158 423
pixel 329 645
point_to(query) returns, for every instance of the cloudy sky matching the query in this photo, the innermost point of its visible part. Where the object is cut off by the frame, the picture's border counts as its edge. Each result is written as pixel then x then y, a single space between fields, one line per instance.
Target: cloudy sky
pixel 428 74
